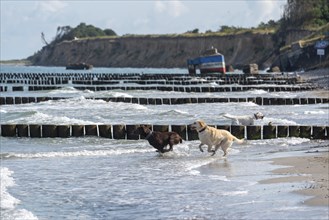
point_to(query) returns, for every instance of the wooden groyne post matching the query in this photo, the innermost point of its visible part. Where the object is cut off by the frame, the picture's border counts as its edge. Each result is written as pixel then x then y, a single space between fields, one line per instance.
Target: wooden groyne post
pixel 122 131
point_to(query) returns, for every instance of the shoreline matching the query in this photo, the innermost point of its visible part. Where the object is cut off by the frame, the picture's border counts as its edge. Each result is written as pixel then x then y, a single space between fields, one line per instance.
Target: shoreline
pixel 318 77
pixel 313 169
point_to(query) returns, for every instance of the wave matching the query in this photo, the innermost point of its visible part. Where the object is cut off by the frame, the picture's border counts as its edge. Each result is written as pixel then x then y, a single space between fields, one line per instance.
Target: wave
pixel 292 141
pixel 64 90
pixel 258 92
pixel 276 121
pixel 174 112
pixel 130 106
pixel 34 117
pixel 213 84
pixel 234 193
pixel 314 113
pixel 121 94
pixel 86 153
pixel 195 164
pixel 181 150
pixel 8 203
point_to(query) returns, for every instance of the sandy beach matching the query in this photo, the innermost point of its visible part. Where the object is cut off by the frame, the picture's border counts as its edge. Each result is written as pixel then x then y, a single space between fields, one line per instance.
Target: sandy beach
pixel 313 168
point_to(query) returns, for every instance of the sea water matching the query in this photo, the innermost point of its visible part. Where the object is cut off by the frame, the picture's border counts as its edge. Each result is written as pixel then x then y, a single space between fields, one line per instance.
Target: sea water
pixel 100 178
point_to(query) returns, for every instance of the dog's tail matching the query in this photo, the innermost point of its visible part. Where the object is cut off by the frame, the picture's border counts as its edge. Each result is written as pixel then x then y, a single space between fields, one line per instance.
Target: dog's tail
pixel 237 140
pixel 225 115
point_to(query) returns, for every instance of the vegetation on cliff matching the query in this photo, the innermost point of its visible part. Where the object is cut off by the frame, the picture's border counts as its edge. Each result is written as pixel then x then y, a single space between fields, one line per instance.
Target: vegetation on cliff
pixel 81 31
pixel 305 14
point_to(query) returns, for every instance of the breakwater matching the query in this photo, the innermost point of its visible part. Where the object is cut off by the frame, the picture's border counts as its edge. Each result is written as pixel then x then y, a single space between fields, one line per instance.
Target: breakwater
pixel 175 101
pixel 162 82
pixel 198 89
pixel 168 79
pixel 123 131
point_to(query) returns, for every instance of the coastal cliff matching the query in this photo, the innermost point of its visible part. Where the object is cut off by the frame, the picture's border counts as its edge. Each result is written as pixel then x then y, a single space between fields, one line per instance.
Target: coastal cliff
pixel 165 51
pixel 157 51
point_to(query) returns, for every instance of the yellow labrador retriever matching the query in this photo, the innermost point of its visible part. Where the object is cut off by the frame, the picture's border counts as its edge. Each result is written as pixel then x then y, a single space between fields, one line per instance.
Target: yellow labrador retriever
pixel 214 137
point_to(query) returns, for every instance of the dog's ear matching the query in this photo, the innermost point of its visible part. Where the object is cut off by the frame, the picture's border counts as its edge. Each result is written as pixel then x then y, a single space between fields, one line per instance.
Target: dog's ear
pixel 146 128
pixel 201 123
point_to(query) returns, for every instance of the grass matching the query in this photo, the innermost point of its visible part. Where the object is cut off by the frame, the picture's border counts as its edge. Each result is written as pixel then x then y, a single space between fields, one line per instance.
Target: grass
pixel 311 39
pixel 238 31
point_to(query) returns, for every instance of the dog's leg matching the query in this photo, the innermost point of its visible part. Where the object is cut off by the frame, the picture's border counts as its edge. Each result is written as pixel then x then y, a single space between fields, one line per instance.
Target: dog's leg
pixel 200 147
pixel 210 150
pixel 216 148
pixel 225 146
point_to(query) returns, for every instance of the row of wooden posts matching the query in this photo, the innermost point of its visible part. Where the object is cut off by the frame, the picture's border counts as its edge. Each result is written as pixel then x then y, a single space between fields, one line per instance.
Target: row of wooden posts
pixel 122 131
pixel 226 81
pixel 138 76
pixel 197 89
pixel 176 101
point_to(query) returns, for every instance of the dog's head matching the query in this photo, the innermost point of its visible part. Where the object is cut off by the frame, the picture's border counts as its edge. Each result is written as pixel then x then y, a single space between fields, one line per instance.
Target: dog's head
pixel 259 115
pixel 143 130
pixel 198 125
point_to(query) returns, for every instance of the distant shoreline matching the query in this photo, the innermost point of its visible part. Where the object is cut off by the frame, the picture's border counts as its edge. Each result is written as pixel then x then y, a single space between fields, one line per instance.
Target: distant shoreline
pixel 23 62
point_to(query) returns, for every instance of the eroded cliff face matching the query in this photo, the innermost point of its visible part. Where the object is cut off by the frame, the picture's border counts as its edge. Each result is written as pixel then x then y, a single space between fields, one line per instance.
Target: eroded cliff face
pixel 158 52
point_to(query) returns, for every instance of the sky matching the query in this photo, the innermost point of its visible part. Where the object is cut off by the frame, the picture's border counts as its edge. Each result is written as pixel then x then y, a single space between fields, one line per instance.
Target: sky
pixel 22 21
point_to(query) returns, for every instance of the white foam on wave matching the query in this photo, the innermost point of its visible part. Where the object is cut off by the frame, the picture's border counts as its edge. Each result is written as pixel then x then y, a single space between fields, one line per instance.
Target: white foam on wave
pixel 314 113
pixel 3 111
pixel 220 178
pixel 42 118
pixel 276 121
pixel 175 112
pixel 77 153
pixel 234 193
pixel 247 104
pixel 295 141
pixel 258 92
pixel 291 141
pixel 130 106
pixel 8 203
pixel 180 150
pixel 213 84
pixel 193 165
pixel 87 91
pixel 64 90
pixel 121 94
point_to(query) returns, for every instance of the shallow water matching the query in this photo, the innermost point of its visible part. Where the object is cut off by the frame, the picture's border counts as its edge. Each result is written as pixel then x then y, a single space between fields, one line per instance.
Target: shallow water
pixel 99 178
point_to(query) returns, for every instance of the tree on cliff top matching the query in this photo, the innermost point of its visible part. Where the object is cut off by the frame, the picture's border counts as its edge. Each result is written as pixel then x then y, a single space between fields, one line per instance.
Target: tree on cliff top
pixel 81 31
pixel 305 14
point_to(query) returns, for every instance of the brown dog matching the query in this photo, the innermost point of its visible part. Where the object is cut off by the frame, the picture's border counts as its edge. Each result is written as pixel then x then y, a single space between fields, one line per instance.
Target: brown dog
pixel 159 140
pixel 214 137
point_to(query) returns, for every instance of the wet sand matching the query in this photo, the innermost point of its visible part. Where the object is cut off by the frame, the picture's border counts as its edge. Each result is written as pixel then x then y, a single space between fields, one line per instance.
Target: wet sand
pixel 313 168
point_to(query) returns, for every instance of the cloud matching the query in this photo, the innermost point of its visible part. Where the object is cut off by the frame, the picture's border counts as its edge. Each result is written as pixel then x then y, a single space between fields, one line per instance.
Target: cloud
pixel 173 8
pixel 160 6
pixel 270 9
pixel 51 6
